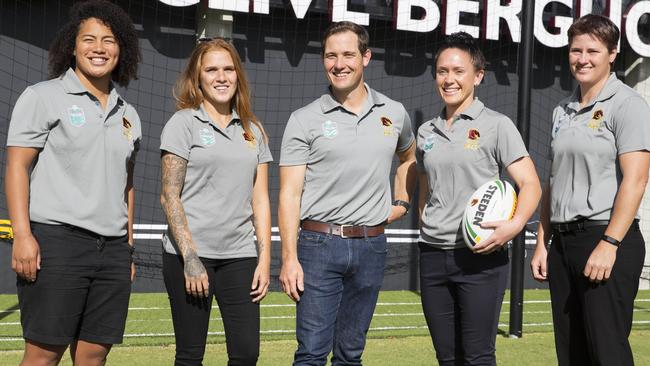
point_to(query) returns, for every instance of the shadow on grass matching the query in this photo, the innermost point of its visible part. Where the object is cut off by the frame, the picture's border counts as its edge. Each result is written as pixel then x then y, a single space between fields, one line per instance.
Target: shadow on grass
pixel 8 311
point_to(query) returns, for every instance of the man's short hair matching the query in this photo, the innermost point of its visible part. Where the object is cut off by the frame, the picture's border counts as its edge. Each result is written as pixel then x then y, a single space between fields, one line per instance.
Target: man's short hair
pixel 345 26
pixel 597 26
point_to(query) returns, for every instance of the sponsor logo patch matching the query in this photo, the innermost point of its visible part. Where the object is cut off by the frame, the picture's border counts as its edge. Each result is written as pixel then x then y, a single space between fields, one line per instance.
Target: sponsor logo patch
pixel 207 136
pixel 250 140
pixel 473 138
pixel 330 130
pixel 596 121
pixel 127 127
pixel 76 116
pixel 388 126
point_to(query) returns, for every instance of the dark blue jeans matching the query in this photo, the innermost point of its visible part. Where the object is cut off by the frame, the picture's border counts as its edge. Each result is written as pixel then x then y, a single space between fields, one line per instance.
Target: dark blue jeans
pixel 342 281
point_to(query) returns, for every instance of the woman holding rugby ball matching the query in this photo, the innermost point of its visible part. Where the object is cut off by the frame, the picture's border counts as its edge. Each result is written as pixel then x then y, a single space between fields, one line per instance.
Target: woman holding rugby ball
pixel 599 151
pixel 458 151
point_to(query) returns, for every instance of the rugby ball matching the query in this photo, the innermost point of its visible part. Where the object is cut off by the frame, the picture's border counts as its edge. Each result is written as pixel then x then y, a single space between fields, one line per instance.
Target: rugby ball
pixel 493 201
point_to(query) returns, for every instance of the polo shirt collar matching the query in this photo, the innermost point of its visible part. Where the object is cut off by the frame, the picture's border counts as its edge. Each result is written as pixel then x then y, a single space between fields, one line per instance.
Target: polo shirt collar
pixel 472 112
pixel 609 89
pixel 72 85
pixel 201 114
pixel 328 102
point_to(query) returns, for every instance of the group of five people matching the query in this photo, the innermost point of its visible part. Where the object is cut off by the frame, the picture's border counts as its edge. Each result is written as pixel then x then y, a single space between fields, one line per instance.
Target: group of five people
pixel 73 249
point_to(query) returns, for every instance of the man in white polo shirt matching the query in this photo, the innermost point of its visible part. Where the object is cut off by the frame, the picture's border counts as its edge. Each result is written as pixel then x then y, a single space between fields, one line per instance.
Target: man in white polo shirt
pixel 334 184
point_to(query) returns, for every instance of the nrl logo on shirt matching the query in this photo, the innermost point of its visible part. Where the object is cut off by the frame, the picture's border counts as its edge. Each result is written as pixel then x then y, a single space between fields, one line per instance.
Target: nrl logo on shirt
pixel 473 137
pixel 428 143
pixel 329 129
pixel 207 136
pixel 76 115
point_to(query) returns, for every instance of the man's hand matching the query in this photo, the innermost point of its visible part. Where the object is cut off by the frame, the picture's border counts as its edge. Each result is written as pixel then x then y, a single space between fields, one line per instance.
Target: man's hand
pixel 396 213
pixel 292 279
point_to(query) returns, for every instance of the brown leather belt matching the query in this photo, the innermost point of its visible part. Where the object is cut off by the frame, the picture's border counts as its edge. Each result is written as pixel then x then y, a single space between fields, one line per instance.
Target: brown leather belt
pixel 344 231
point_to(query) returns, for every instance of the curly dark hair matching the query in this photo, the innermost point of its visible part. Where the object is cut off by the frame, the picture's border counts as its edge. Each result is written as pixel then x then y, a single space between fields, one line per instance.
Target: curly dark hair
pixel 61 50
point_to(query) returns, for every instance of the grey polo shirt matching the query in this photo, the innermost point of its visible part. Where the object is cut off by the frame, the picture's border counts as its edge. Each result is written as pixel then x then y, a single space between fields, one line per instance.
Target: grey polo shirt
pixel 80 175
pixel 457 162
pixel 348 157
pixel 218 188
pixel 585 145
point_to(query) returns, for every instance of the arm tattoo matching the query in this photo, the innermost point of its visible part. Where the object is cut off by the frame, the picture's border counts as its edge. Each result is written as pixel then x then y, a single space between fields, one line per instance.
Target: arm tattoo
pixel 261 245
pixel 173 177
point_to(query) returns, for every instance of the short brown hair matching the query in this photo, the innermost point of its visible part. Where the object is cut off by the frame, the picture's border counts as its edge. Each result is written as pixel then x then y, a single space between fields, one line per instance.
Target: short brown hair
pixel 597 26
pixel 188 92
pixel 345 26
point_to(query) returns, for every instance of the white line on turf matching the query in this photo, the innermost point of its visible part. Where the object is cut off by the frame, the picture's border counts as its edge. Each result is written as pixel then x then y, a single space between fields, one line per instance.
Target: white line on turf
pixel 291 331
pixel 280 317
pixel 291 305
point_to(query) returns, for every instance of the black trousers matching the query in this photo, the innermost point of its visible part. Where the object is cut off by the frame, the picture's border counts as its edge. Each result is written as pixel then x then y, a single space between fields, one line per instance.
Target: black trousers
pixel 462 294
pixel 230 282
pixel 592 321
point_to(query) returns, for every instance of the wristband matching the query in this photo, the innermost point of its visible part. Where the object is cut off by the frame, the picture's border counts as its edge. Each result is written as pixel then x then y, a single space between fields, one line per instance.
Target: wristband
pixel 611 240
pixel 404 204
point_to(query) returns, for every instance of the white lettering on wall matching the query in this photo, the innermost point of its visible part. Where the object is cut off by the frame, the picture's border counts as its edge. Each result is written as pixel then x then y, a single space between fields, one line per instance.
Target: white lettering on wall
pixel 551 30
pixel 428 23
pixel 495 12
pixel 634 14
pixel 452 17
pixel 563 23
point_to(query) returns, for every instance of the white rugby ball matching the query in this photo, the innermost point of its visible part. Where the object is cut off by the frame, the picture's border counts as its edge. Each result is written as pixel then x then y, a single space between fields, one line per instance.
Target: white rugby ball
pixel 493 201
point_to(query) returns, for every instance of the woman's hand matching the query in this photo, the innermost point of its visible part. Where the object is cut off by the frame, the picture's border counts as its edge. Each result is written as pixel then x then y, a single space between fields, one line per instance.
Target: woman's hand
pixel 196 277
pixel 600 263
pixel 26 257
pixel 538 264
pixel 504 231
pixel 261 281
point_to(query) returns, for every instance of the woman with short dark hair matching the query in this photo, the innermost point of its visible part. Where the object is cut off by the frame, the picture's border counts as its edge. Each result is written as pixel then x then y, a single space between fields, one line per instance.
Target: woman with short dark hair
pixel 458 151
pixel 72 144
pixel 600 143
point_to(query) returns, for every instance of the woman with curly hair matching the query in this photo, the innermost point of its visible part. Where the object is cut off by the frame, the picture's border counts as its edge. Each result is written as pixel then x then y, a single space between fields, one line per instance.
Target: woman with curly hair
pixel 71 149
pixel 215 196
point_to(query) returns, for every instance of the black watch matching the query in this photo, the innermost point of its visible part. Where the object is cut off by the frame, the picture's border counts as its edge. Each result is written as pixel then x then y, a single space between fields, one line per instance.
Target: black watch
pixel 611 240
pixel 404 204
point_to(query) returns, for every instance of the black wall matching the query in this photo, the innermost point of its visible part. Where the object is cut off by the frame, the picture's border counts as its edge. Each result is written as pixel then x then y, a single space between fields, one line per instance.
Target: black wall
pixel 284 68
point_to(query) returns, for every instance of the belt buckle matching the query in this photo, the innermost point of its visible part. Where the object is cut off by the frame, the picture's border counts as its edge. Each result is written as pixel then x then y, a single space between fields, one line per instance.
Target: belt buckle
pixel 563 228
pixel 343 236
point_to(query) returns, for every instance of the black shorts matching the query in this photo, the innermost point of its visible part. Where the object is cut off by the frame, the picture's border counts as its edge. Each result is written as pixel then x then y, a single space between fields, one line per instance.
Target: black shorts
pixel 81 291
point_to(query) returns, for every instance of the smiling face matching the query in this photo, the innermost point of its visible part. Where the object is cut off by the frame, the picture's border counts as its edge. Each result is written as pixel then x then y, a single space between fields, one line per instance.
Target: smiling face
pixel 456 78
pixel 218 79
pixel 343 62
pixel 590 60
pixel 96 51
